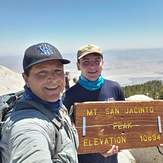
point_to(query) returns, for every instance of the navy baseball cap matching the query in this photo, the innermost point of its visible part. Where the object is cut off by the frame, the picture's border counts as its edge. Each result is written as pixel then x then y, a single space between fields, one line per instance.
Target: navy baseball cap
pixel 40 53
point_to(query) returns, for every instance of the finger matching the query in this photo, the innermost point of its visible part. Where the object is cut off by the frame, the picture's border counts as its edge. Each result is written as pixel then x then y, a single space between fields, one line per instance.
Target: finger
pixel 112 151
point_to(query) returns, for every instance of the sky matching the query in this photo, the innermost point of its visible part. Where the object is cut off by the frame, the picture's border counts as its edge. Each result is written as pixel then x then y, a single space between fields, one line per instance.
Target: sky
pixel 69 24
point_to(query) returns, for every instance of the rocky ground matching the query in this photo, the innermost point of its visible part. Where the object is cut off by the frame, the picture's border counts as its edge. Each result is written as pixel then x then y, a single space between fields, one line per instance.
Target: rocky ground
pixel 10 81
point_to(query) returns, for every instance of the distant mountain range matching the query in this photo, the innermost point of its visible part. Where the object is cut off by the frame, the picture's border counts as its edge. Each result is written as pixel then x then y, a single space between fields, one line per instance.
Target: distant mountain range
pixel 129 66
pixel 12 62
pixel 132 66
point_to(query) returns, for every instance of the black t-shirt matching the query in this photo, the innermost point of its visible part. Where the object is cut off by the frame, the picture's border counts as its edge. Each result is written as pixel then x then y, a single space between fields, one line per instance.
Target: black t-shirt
pixel 110 90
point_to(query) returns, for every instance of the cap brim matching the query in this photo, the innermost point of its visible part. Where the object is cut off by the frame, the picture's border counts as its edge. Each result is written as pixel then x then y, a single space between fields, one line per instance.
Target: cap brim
pixel 63 61
pixel 90 53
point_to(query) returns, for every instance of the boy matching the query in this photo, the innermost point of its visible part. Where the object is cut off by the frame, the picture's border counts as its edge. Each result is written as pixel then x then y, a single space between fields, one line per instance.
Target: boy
pixel 93 87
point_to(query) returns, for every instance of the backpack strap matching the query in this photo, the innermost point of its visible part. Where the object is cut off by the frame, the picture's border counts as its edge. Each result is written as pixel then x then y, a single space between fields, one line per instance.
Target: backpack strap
pixel 54 118
pixel 7 102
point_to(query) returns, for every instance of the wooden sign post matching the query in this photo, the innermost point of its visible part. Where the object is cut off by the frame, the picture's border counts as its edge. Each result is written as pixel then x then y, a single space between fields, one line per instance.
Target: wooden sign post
pixel 126 124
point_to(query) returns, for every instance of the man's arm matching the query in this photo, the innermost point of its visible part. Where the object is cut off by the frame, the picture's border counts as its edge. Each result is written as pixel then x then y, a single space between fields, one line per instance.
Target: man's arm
pixel 28 141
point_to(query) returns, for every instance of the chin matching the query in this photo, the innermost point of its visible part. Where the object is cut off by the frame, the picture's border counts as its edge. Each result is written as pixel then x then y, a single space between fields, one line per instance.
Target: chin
pixel 93 78
pixel 52 100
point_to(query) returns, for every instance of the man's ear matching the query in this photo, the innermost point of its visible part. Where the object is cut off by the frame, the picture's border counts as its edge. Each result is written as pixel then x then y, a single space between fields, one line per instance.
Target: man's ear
pixel 25 77
pixel 78 65
pixel 102 62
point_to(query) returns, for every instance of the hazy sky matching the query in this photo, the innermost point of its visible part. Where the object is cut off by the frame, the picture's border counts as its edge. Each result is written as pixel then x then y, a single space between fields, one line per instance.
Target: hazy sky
pixel 68 24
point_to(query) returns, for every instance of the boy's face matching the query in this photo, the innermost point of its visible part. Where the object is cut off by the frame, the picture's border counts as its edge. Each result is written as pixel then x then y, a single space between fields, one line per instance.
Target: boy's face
pixel 46 80
pixel 91 66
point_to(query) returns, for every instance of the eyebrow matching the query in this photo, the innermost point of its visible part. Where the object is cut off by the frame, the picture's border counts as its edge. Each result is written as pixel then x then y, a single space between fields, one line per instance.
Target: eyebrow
pixel 86 58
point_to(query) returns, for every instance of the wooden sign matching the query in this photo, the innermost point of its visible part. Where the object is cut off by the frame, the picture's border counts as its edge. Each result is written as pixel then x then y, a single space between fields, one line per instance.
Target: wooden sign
pixel 126 124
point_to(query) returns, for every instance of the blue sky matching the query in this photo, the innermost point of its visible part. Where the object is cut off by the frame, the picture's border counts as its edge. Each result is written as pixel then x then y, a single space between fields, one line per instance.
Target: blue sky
pixel 69 24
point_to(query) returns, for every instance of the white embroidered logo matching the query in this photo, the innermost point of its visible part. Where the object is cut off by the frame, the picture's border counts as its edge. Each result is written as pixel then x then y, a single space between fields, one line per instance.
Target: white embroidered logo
pixel 45 49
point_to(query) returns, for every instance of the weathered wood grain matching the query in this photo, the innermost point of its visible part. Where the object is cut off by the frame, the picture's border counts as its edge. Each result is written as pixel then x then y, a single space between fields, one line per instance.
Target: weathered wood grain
pixel 123 123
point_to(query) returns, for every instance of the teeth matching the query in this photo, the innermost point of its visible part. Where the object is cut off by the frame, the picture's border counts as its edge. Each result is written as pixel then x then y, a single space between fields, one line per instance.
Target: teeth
pixel 52 88
pixel 92 71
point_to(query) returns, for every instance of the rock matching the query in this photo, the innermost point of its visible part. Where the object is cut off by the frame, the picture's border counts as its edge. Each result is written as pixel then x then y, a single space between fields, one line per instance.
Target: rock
pixel 147 155
pixel 150 154
pixel 10 81
pixel 125 156
pixel 139 97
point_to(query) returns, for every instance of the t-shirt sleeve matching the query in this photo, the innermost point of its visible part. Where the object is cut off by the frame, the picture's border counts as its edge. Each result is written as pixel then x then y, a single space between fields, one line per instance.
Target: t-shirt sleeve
pixel 120 94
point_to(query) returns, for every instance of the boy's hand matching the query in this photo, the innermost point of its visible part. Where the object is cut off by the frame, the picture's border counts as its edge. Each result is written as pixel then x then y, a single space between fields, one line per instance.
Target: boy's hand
pixel 112 151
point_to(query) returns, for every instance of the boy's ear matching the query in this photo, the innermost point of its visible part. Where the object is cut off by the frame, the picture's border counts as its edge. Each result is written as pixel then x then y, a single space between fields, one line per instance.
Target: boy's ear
pixel 25 77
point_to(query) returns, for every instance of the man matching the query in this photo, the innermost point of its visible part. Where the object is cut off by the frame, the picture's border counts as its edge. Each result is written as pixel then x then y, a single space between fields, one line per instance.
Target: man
pixel 93 87
pixel 29 134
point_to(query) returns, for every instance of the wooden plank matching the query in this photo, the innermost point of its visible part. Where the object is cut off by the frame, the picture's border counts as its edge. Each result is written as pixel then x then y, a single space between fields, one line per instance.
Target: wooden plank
pixel 123 123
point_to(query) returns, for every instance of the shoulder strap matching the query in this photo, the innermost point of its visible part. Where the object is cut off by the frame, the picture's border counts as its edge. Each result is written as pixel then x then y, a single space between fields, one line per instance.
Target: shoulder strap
pixel 55 119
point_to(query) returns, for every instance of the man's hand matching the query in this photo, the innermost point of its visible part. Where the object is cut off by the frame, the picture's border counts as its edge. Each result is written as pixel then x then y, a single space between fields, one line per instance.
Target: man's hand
pixel 112 151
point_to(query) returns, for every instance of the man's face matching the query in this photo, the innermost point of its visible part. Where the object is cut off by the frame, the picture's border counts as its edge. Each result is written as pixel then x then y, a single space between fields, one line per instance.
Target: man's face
pixel 91 66
pixel 46 80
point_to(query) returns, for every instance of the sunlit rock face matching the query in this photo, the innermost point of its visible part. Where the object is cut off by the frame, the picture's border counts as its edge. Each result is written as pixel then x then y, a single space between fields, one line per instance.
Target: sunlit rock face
pixel 10 81
pixel 139 97
pixel 150 154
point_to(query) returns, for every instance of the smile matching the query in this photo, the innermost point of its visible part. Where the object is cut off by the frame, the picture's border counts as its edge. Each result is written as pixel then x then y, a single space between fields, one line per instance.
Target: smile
pixel 93 72
pixel 52 88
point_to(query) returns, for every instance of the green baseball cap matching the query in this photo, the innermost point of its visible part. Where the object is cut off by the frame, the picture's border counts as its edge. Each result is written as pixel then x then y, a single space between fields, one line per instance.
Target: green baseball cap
pixel 88 49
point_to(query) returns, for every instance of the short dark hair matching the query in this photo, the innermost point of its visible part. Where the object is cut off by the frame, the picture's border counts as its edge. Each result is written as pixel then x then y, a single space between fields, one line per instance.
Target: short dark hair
pixel 27 71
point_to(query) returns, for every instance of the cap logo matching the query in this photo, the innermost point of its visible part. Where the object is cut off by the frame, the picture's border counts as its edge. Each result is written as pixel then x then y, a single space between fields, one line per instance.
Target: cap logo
pixel 45 49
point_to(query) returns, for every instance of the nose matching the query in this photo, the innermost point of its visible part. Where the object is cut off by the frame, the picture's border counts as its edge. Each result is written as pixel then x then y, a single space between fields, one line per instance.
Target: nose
pixel 51 76
pixel 91 63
